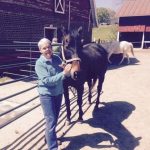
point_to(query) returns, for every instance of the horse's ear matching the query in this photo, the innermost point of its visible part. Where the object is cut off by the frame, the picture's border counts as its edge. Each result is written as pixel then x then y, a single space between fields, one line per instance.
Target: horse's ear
pixel 64 30
pixel 80 30
pixel 82 41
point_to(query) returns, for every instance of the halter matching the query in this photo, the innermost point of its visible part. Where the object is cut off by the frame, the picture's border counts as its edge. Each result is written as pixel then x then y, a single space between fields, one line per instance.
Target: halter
pixel 65 61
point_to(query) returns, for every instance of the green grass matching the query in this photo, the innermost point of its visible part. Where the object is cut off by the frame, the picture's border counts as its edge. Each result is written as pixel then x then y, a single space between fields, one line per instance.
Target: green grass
pixel 105 32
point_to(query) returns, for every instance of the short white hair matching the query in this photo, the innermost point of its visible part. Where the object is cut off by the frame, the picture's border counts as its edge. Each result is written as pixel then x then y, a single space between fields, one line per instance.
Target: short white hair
pixel 42 41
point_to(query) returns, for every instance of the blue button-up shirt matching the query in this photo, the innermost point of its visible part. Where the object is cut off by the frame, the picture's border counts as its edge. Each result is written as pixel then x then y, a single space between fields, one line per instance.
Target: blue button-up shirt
pixel 50 76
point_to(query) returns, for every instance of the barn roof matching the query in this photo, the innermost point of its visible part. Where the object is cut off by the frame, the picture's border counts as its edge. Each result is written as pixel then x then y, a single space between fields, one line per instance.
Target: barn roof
pixel 93 11
pixel 134 8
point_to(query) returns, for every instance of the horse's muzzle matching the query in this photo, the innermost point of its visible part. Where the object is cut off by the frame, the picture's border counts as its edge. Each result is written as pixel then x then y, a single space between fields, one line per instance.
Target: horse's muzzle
pixel 75 75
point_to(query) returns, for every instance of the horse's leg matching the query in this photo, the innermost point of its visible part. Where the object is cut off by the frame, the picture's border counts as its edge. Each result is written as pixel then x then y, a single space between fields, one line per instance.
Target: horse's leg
pixel 99 89
pixel 67 103
pixel 128 60
pixel 80 90
pixel 108 57
pixel 89 82
pixel 122 58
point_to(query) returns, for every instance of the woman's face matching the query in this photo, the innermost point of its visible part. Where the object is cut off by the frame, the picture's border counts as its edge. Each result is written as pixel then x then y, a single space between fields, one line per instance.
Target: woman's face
pixel 46 50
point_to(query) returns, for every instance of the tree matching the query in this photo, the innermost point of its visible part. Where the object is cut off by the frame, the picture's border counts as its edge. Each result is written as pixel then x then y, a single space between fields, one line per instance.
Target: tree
pixel 105 15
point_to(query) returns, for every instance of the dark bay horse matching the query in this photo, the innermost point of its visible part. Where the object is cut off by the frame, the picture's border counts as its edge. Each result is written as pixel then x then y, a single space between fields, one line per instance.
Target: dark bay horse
pixel 89 63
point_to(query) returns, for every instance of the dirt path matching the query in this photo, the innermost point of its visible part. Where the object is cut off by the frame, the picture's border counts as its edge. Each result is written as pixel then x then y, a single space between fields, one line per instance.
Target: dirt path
pixel 123 120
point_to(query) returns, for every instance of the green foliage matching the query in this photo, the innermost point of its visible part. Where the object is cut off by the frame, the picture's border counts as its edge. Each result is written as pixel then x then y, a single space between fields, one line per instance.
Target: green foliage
pixel 105 15
pixel 105 32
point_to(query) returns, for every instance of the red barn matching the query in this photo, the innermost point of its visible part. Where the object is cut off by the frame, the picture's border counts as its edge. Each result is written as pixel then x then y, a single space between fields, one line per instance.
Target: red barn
pixel 134 22
pixel 30 20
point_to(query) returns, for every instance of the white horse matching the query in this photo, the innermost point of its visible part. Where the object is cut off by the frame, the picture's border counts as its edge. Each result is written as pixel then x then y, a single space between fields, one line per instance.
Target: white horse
pixel 116 47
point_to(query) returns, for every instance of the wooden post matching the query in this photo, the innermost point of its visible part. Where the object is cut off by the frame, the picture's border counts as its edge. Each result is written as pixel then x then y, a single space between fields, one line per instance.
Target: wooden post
pixel 143 37
pixel 69 16
pixel 89 20
pixel 118 36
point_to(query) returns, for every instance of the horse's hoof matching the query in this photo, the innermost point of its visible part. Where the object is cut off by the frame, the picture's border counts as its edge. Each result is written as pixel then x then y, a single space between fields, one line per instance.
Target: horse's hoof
pixel 67 123
pixel 103 103
pixel 80 121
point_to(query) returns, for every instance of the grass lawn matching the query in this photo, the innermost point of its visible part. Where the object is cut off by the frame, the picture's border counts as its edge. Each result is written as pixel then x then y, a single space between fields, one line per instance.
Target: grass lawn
pixel 105 32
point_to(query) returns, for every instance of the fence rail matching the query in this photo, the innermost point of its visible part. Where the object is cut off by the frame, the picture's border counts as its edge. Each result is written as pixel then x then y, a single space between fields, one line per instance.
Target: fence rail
pixel 34 135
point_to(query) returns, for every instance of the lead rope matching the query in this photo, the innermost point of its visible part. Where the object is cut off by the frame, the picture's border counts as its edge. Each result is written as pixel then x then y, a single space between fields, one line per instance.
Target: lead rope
pixel 63 55
pixel 69 60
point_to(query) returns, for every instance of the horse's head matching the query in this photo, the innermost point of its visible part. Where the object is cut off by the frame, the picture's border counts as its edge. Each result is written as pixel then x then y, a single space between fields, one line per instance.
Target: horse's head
pixel 72 44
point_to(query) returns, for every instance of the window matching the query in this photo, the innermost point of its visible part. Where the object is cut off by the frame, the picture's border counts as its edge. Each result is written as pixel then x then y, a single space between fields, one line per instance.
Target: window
pixel 60 6
pixel 50 32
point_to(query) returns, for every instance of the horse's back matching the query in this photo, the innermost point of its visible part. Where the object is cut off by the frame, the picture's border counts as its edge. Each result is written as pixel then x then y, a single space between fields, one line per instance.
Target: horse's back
pixel 125 46
pixel 93 50
pixel 95 58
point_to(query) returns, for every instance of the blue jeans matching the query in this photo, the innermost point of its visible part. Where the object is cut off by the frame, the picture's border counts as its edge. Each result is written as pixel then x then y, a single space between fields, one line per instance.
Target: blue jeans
pixel 51 108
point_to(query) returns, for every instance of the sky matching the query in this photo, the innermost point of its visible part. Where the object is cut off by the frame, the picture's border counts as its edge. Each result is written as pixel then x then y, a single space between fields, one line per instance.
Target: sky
pixel 113 4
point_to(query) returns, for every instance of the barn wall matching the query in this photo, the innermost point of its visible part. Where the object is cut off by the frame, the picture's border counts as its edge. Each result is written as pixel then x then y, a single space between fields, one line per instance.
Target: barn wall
pixel 132 28
pixel 24 20
pixel 137 20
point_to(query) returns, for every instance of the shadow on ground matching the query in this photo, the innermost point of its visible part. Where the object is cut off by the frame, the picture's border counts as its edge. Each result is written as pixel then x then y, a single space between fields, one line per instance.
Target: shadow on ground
pixel 109 117
pixel 115 59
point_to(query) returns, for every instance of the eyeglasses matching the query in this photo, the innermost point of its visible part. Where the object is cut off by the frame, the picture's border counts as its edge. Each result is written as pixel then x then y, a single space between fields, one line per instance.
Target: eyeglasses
pixel 47 48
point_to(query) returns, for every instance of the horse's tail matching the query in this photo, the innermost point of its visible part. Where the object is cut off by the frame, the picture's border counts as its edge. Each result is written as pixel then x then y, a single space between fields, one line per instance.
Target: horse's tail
pixel 132 49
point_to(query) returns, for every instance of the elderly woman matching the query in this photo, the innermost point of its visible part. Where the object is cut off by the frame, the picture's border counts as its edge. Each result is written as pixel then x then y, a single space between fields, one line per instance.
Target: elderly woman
pixel 50 88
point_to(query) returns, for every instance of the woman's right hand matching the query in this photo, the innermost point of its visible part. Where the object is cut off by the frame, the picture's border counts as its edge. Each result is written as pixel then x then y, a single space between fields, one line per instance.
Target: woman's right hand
pixel 67 69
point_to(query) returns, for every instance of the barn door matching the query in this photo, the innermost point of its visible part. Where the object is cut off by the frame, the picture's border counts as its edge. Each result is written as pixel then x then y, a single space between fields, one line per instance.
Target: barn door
pixel 50 32
pixel 60 6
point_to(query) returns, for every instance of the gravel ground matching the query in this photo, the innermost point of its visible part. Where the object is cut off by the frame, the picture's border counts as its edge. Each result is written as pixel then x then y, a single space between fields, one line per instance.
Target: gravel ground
pixel 122 123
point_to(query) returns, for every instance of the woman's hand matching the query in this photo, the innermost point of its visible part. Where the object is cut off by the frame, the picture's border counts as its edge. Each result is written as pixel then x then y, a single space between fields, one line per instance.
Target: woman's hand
pixel 67 69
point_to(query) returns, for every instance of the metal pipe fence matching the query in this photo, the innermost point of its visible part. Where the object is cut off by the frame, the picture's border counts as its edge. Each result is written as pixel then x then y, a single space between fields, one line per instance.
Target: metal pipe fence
pixel 38 129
